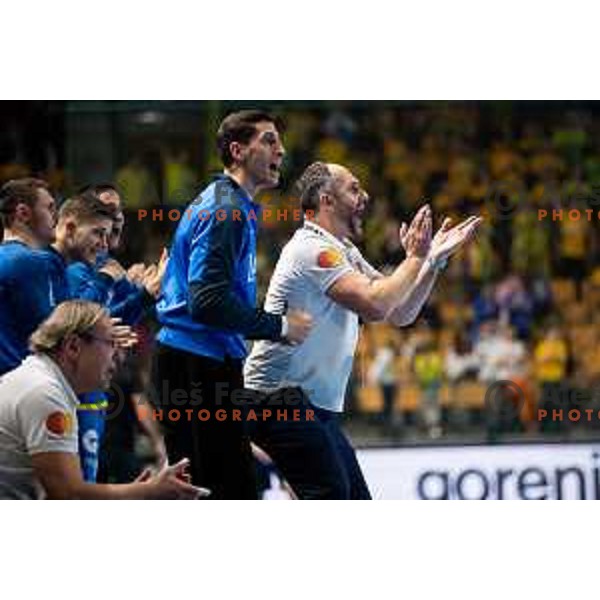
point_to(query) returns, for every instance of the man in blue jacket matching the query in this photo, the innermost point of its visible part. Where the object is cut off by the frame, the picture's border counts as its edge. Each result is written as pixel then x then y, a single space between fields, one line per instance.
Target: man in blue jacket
pixel 27 297
pixel 207 310
pixel 107 444
pixel 128 299
pixel 82 235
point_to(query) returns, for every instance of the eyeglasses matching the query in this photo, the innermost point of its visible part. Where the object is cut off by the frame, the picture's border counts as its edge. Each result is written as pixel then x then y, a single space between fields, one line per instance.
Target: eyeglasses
pixel 103 340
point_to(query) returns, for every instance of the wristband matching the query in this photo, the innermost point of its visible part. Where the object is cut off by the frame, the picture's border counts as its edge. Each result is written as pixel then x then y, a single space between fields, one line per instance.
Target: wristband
pixel 437 264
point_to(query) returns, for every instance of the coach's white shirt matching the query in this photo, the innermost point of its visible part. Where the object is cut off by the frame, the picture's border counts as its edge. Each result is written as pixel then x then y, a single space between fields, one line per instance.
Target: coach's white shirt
pixel 310 263
pixel 37 414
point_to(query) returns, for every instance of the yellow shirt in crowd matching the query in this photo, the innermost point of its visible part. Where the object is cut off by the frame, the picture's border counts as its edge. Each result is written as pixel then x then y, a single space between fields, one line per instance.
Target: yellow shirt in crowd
pixel 550 360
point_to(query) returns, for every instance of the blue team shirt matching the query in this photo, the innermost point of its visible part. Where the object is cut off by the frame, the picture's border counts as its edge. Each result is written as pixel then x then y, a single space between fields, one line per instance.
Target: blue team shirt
pixel 29 291
pixel 87 284
pixel 198 235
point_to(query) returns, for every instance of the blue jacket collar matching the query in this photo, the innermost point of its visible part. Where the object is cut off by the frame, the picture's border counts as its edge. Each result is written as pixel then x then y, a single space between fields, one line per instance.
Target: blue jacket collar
pixel 239 190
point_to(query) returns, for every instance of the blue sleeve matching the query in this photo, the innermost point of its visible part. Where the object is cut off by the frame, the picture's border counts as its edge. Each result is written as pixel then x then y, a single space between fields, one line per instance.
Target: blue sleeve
pixel 25 301
pixel 34 292
pixel 215 251
pixel 130 303
pixel 86 283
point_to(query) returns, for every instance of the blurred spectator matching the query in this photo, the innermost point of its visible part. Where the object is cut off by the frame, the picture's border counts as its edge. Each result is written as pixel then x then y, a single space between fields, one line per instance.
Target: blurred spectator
pixel 574 248
pixel 530 251
pixel 383 374
pixel 462 363
pixel 135 182
pixel 500 355
pixel 502 360
pixel 550 364
pixel 515 305
pixel 429 370
pixel 179 179
pixel 484 308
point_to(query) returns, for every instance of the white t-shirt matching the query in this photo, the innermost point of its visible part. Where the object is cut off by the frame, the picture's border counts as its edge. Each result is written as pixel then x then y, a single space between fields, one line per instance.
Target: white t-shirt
pixel 310 263
pixel 37 414
pixel 500 357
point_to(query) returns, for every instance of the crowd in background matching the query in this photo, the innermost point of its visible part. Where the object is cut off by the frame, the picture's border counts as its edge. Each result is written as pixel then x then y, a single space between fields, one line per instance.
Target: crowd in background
pixel 520 305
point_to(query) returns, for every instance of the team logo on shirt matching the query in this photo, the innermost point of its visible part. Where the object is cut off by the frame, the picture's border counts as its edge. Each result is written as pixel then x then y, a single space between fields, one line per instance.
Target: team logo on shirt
pixel 330 258
pixel 59 423
pixel 90 441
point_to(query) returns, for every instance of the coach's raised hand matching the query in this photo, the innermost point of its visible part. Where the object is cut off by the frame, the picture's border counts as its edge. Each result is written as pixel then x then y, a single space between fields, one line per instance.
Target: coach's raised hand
pixel 416 238
pixel 298 326
pixel 448 240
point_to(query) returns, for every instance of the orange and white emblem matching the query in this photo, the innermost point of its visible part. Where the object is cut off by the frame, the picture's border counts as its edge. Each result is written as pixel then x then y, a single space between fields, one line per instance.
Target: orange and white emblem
pixel 59 423
pixel 330 258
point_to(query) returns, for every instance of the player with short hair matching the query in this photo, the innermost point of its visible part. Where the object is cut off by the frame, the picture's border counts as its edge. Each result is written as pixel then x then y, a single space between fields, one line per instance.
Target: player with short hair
pixel 28 213
pixel 321 271
pixel 131 298
pixel 82 235
pixel 208 306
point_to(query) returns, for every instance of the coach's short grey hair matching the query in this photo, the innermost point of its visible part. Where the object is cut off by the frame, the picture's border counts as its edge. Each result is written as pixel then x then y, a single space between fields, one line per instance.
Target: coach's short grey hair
pixel 317 177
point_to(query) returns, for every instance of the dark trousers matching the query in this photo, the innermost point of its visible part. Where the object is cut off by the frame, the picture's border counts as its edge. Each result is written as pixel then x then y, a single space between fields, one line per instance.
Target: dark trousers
pixel 218 448
pixel 313 455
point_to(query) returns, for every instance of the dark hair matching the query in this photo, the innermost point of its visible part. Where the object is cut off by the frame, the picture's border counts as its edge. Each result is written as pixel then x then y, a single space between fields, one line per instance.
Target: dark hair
pixel 240 127
pixel 98 188
pixel 310 184
pixel 85 208
pixel 19 191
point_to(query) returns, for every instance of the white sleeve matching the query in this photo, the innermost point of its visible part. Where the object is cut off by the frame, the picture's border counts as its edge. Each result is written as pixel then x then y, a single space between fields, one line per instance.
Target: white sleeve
pixel 362 265
pixel 368 270
pixel 323 263
pixel 47 422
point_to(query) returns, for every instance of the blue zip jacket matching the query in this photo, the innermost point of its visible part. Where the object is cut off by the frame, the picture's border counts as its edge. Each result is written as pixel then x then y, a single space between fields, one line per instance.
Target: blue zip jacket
pixel 208 302
pixel 28 294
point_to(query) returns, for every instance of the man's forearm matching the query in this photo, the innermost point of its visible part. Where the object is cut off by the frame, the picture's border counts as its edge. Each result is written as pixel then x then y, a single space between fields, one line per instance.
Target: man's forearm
pixel 99 491
pixel 412 303
pixel 389 292
pixel 127 491
pixel 60 475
